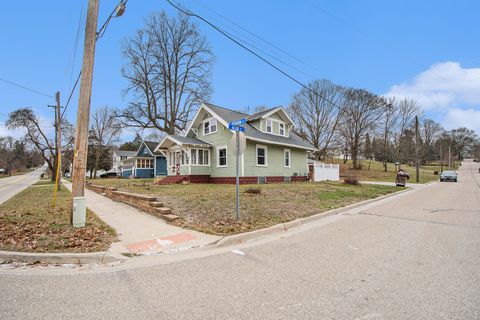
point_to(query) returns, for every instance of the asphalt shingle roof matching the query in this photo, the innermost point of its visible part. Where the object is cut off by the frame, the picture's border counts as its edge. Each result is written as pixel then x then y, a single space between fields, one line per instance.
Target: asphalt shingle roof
pixel 125 153
pixel 189 140
pixel 251 132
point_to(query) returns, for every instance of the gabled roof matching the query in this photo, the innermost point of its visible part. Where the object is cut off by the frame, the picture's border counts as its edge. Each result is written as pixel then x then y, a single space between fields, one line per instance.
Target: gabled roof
pixel 124 153
pixel 151 145
pixel 253 133
pixel 181 140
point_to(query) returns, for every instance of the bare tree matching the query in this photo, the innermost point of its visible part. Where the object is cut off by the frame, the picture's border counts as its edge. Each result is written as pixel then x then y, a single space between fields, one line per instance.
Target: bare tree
pixel 104 130
pixel 35 135
pixel 430 131
pixel 317 119
pixel 390 118
pixel 407 110
pixel 361 112
pixel 168 69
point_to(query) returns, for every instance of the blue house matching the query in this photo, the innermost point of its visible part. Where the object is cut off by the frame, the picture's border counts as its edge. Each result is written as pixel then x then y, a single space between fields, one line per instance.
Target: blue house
pixel 146 163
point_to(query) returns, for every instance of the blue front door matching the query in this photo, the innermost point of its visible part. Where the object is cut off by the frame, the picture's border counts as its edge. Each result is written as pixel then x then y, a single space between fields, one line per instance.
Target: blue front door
pixel 161 166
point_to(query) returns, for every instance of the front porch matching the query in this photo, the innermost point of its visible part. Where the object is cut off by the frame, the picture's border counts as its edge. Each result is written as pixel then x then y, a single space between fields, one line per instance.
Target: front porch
pixel 144 167
pixel 186 157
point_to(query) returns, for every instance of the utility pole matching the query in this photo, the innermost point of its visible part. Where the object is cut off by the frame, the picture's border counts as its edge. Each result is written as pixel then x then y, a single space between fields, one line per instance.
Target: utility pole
pixel 58 136
pixel 78 214
pixel 449 158
pixel 417 164
pixel 441 159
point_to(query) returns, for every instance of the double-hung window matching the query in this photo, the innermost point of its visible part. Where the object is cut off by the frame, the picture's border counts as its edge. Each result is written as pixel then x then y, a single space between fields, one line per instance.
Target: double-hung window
pixel 281 129
pixel 269 125
pixel 286 159
pixel 222 157
pixel 261 155
pixel 194 156
pixel 210 126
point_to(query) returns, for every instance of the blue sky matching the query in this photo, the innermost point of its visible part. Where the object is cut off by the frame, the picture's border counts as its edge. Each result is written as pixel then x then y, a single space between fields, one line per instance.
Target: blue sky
pixel 426 50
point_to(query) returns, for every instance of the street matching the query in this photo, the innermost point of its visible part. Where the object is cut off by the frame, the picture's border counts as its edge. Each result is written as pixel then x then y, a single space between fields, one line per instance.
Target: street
pixel 12 185
pixel 414 257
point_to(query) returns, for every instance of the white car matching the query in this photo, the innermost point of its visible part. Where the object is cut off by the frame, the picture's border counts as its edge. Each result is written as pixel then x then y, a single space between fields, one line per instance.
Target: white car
pixel 448 176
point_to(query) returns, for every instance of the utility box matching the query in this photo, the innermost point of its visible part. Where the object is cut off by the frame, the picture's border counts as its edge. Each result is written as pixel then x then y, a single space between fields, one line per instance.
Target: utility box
pixel 79 212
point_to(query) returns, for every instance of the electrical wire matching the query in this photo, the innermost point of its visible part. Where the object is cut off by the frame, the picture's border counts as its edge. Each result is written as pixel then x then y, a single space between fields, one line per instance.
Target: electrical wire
pixel 99 34
pixel 26 88
pixel 188 12
pixel 261 38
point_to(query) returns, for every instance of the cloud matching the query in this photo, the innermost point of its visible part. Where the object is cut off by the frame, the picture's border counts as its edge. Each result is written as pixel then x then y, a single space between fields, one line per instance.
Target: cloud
pixel 455 118
pixel 444 85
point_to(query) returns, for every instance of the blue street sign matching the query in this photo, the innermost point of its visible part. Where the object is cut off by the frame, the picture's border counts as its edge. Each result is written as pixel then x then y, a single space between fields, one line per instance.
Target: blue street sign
pixel 238 122
pixel 236 128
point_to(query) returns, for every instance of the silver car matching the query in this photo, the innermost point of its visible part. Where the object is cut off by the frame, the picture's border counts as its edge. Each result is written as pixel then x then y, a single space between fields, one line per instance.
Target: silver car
pixel 448 176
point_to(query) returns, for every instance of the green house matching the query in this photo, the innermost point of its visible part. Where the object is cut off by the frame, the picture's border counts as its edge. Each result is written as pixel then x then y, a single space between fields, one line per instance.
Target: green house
pixel 274 153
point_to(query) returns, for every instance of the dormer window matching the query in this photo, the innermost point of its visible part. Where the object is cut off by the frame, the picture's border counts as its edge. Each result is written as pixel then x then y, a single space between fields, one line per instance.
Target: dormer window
pixel 210 126
pixel 269 125
pixel 282 129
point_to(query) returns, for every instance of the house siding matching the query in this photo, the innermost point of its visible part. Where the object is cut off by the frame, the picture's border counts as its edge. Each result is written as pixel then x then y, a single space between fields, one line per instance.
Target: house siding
pixel 218 139
pixel 143 173
pixel 275 161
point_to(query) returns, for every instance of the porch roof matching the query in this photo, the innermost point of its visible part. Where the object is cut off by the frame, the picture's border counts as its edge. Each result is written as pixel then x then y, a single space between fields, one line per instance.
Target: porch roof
pixel 175 139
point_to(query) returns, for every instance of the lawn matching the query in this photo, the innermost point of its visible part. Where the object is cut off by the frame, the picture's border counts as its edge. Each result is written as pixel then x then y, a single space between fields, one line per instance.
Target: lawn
pixel 377 172
pixel 210 208
pixel 29 223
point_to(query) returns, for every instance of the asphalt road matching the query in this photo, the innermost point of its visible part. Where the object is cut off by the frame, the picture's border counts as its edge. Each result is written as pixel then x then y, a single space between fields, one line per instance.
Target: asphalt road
pixel 415 257
pixel 10 186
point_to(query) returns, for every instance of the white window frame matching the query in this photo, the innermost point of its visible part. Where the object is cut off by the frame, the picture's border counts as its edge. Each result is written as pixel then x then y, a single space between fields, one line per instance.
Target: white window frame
pixel 218 157
pixel 267 126
pixel 285 152
pixel 260 146
pixel 197 158
pixel 193 155
pixel 211 124
pixel 280 125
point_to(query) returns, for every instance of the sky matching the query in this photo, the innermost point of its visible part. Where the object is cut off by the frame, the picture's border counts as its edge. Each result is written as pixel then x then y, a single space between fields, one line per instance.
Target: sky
pixel 426 50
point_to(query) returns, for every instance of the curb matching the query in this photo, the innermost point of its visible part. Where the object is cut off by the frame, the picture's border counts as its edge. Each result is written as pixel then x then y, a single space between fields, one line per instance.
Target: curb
pixel 282 227
pixel 60 258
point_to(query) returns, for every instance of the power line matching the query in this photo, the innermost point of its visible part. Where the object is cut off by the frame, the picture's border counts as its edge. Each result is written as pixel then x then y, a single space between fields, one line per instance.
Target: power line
pixel 100 34
pixel 76 42
pixel 362 33
pixel 261 38
pixel 26 88
pixel 188 12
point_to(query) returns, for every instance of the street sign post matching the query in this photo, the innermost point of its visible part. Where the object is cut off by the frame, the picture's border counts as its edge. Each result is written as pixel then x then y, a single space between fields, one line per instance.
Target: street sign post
pixel 236 126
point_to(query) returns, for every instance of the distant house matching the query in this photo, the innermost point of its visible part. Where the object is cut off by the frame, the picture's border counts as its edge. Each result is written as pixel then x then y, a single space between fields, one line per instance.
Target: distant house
pixel 273 152
pixel 118 157
pixel 145 163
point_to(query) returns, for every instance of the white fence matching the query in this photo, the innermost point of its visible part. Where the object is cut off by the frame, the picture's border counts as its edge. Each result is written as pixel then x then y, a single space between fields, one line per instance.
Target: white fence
pixel 323 171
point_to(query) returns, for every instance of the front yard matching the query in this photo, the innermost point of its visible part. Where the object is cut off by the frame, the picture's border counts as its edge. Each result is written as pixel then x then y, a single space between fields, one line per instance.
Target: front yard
pixel 210 208
pixel 29 223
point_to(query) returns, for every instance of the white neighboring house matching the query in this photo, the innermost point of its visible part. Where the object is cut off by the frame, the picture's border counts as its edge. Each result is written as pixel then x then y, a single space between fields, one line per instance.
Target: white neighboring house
pixel 118 157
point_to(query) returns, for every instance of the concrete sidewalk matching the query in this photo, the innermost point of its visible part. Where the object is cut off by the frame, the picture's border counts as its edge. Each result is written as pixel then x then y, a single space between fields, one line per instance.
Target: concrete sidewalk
pixel 392 184
pixel 139 232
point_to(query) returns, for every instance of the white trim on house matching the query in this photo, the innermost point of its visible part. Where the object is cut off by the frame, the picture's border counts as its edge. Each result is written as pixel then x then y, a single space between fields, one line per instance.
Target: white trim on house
pixel 218 156
pixel 209 126
pixel 261 146
pixel 211 112
pixel 285 152
pixel 273 111
pixel 279 143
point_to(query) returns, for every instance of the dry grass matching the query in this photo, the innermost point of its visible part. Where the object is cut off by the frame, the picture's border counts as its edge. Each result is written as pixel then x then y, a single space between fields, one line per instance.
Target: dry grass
pixel 377 172
pixel 210 207
pixel 29 223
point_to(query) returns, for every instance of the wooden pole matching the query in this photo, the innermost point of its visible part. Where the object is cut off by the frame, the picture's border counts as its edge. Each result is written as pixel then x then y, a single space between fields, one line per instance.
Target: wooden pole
pixel 83 113
pixel 58 121
pixel 417 164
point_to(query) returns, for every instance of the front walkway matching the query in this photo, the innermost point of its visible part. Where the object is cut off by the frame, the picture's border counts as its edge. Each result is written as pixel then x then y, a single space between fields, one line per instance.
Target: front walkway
pixel 139 232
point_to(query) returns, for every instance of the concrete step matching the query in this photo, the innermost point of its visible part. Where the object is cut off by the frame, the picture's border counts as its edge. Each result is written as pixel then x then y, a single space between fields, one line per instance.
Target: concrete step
pixel 163 210
pixel 156 204
pixel 169 217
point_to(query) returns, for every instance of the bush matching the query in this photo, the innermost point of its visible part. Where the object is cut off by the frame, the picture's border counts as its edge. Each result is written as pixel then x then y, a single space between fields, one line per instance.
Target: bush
pixel 351 180
pixel 253 190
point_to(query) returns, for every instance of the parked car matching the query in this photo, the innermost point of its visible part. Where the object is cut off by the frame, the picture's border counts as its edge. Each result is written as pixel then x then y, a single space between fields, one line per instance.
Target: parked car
pixel 448 176
pixel 108 175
